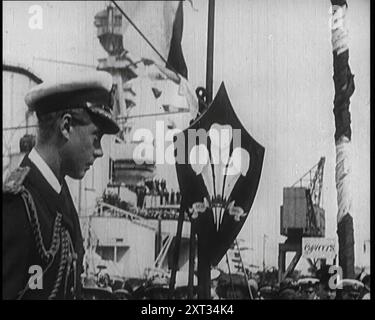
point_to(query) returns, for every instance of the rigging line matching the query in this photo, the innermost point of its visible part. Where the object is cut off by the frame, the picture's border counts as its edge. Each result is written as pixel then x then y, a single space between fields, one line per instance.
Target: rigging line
pixel 244 271
pixel 150 115
pixel 123 118
pixel 66 62
pixel 20 127
pixel 132 64
pixel 145 38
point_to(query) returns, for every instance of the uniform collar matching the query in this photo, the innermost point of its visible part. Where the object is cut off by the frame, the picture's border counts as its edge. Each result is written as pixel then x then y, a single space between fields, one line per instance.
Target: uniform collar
pixel 45 170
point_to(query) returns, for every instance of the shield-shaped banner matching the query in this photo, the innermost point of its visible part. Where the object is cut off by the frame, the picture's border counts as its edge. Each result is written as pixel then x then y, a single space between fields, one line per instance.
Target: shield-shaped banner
pixel 218 167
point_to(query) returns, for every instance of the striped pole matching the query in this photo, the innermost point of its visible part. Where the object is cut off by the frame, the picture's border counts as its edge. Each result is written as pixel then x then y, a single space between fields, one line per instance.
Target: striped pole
pixel 344 88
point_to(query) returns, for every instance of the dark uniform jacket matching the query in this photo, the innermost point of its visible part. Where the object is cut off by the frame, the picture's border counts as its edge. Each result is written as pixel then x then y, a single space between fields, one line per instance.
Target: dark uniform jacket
pixel 46 234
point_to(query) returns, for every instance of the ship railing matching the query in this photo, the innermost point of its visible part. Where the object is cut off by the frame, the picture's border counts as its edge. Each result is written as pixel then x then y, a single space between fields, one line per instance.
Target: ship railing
pixel 104 209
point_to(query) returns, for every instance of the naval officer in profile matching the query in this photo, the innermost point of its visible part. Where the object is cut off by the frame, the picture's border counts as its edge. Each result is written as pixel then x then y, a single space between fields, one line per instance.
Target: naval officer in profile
pixel 41 230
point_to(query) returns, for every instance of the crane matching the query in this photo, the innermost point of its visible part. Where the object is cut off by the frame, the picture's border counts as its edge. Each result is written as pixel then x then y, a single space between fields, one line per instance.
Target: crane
pixel 312 180
pixel 301 215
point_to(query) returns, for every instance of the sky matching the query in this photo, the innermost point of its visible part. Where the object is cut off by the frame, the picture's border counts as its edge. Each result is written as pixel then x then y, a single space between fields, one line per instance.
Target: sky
pixel 275 59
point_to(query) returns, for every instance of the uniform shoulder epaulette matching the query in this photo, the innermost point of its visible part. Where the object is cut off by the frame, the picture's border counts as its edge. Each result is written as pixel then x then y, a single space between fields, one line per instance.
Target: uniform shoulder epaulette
pixel 13 184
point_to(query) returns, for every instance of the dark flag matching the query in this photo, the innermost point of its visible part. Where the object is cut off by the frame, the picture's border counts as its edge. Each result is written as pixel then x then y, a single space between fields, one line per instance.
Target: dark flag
pixel 218 167
pixel 175 56
pixel 161 22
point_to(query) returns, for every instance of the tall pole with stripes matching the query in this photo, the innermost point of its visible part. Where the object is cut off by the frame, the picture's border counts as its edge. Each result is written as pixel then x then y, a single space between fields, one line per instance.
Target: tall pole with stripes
pixel 344 88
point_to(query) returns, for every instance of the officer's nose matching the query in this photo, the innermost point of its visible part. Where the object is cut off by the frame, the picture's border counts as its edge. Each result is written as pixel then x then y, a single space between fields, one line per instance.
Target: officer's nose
pixel 98 153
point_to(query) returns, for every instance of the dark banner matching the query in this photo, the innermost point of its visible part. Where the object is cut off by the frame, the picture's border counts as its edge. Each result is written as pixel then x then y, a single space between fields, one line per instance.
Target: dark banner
pixel 218 166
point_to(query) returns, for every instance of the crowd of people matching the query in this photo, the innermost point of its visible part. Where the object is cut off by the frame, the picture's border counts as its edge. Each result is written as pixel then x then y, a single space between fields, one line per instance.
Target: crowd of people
pixel 153 200
pixel 164 214
pixel 236 287
pixel 157 193
pixel 322 286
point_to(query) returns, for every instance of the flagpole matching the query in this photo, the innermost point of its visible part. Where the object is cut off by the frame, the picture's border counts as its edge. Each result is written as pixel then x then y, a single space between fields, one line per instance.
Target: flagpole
pixel 176 252
pixel 191 261
pixel 204 267
pixel 210 50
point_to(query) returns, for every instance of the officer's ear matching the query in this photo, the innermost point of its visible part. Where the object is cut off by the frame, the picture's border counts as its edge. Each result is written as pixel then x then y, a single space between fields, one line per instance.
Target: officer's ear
pixel 65 125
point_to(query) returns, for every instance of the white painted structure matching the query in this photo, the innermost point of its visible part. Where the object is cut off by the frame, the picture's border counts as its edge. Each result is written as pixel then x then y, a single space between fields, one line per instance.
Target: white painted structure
pixel 129 247
pixel 17 80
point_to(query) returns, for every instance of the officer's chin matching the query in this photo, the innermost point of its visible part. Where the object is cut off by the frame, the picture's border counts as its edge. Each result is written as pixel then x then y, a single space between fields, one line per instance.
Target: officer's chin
pixel 78 175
